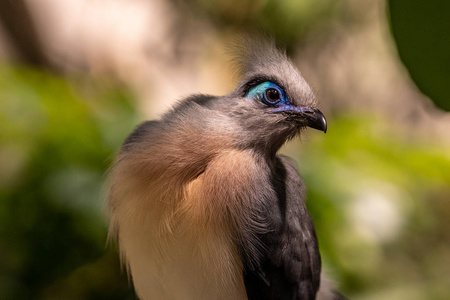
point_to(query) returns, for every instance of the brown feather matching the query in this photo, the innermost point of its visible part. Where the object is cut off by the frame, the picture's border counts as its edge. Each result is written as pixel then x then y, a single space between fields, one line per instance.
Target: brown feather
pixel 177 220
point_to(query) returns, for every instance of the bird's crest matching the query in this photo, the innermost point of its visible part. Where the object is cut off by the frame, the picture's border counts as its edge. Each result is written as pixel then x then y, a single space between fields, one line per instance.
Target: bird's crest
pixel 252 53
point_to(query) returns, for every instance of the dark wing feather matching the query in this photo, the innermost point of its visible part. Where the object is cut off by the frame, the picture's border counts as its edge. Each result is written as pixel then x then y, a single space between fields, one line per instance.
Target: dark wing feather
pixel 290 267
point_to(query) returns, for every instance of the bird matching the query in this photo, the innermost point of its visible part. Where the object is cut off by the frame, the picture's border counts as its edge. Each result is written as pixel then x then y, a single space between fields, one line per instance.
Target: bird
pixel 201 203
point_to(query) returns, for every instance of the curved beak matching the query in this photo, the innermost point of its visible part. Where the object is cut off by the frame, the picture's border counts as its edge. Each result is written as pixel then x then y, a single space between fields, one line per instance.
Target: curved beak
pixel 311 117
pixel 315 119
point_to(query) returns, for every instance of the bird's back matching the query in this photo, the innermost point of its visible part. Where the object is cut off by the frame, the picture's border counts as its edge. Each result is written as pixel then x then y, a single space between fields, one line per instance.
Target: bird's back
pixel 290 267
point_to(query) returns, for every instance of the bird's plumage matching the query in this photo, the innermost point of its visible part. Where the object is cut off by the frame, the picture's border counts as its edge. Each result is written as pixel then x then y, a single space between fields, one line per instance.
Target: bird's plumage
pixel 202 205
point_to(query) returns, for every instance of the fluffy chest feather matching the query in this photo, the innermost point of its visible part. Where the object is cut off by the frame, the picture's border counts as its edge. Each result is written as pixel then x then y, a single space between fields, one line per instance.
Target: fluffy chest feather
pixel 181 240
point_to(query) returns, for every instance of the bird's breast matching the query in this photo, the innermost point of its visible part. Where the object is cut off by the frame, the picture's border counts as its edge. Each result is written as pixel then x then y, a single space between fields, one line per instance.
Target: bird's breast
pixel 181 240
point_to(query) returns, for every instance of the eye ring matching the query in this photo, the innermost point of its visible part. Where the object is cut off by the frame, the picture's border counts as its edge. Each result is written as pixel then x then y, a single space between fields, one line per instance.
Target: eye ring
pixel 272 96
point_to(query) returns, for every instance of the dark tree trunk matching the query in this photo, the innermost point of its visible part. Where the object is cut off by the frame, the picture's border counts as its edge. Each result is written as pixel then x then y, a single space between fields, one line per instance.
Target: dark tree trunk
pixel 21 32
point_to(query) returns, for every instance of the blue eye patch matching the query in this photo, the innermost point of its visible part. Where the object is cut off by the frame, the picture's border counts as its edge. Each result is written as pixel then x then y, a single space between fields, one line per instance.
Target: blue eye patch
pixel 268 93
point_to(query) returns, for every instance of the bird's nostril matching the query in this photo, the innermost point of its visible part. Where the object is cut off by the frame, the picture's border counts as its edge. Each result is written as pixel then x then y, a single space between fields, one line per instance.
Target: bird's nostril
pixel 308 111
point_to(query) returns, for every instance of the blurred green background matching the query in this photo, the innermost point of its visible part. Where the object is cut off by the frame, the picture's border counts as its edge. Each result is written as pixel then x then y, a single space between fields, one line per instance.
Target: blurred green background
pixel 77 76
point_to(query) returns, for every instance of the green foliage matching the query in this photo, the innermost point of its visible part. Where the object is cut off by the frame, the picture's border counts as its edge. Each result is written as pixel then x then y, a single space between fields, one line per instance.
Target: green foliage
pixel 380 205
pixel 56 147
pixel 420 29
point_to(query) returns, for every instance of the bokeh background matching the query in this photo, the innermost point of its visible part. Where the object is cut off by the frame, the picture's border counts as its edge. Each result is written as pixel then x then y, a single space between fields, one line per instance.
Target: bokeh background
pixel 76 76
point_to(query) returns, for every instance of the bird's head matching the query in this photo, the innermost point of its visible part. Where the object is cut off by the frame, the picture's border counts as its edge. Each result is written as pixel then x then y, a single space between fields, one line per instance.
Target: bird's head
pixel 272 103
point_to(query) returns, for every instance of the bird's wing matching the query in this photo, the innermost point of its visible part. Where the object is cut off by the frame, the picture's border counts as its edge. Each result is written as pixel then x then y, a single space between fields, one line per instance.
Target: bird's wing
pixel 290 268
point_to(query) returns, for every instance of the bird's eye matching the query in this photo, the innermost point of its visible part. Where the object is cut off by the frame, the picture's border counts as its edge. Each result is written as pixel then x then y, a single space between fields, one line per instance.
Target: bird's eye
pixel 272 96
pixel 268 93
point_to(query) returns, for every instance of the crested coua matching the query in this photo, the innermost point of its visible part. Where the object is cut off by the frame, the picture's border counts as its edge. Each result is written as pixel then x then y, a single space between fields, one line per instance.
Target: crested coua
pixel 201 203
